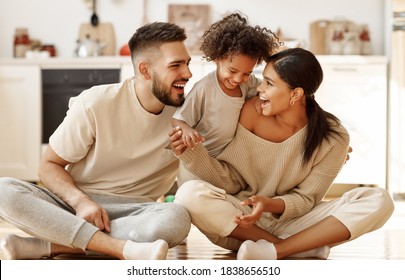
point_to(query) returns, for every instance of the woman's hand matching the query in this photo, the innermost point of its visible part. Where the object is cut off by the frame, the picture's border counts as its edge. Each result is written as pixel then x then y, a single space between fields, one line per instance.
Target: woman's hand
pixel 259 206
pixel 176 141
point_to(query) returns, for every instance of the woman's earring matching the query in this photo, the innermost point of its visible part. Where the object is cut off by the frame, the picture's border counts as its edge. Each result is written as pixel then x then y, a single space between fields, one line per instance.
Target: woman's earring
pixel 292 102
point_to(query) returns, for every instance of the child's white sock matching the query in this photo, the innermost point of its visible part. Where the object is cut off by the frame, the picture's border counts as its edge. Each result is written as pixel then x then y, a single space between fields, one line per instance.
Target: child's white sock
pixel 145 251
pixel 263 250
pixel 14 247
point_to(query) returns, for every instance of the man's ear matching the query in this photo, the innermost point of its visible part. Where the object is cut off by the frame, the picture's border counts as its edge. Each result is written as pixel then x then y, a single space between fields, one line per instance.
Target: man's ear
pixel 144 70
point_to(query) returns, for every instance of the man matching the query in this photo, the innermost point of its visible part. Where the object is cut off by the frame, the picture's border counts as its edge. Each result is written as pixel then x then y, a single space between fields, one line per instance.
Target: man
pixel 106 165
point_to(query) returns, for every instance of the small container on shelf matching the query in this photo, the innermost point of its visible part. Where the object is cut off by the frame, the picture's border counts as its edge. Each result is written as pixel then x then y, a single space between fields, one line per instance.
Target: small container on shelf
pixel 21 42
pixel 365 42
pixel 49 48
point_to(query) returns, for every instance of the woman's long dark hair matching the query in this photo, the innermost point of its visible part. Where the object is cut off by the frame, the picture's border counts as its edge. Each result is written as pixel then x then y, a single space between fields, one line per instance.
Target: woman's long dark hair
pixel 300 68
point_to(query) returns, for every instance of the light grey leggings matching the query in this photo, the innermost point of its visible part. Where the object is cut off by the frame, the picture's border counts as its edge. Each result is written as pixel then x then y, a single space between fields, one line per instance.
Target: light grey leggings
pixel 40 213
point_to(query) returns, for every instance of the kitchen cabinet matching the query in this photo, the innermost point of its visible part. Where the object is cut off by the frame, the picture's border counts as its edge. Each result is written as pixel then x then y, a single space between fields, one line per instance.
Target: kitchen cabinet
pixel 20 121
pixel 355 90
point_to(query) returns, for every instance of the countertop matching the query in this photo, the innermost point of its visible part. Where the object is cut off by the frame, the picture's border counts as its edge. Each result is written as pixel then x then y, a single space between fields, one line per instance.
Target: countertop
pixel 117 61
pixel 74 62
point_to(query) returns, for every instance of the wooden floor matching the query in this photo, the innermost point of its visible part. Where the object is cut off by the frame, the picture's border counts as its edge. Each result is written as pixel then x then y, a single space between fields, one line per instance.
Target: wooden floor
pixel 386 243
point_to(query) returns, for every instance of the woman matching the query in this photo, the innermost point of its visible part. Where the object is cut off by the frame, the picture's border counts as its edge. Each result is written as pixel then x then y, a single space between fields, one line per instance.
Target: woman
pixel 263 194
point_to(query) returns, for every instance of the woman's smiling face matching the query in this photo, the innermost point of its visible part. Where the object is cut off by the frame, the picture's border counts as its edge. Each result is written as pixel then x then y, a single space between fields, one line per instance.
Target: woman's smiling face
pixel 274 93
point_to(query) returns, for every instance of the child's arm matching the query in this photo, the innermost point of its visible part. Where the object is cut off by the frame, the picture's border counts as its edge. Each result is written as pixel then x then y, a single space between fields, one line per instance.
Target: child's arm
pixel 191 137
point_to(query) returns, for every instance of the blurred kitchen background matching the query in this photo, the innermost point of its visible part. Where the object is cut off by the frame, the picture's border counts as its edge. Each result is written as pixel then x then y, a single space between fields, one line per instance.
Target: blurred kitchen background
pixel 58 22
pixel 360 43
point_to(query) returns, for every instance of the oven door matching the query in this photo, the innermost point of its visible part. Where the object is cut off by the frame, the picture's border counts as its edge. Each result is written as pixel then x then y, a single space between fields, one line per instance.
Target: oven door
pixel 58 86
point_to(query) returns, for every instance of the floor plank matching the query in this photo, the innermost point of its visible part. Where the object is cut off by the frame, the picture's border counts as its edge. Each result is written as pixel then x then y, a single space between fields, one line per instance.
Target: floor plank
pixel 386 243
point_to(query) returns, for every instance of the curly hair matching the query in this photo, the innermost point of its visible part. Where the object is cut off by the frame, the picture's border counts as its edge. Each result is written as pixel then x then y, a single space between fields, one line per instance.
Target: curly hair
pixel 233 35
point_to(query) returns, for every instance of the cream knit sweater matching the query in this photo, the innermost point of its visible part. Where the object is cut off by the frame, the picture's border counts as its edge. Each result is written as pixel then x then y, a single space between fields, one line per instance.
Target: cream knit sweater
pixel 250 165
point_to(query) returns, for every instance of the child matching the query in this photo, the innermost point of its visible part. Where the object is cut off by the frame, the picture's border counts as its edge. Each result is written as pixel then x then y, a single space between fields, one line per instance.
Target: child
pixel 211 110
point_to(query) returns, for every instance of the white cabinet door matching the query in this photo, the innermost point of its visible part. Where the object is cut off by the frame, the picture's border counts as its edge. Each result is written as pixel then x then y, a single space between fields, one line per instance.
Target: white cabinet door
pixel 20 121
pixel 357 95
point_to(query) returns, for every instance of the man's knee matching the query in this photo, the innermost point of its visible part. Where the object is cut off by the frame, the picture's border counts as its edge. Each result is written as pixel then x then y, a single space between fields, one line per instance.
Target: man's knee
pixel 8 189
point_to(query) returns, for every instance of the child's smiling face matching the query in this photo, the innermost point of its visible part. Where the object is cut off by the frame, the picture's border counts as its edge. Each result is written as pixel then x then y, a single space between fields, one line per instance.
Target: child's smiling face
pixel 233 71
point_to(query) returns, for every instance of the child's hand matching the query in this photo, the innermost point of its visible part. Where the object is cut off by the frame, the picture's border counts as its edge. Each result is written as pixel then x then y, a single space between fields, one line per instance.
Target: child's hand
pixel 191 137
pixel 258 203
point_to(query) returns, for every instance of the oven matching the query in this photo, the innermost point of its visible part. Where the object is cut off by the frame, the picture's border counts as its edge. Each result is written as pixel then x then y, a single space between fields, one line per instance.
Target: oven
pixel 59 85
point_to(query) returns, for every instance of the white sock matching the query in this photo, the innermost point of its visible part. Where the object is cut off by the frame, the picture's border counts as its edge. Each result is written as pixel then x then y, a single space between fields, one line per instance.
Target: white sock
pixel 260 250
pixel 145 251
pixel 14 247
pixel 320 253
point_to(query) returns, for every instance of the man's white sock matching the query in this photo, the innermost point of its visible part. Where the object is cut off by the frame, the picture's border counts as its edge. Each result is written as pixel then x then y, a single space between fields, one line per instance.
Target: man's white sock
pixel 145 251
pixel 14 247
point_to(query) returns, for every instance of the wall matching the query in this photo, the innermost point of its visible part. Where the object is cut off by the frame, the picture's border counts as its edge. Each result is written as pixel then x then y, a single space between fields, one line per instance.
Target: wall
pixel 58 22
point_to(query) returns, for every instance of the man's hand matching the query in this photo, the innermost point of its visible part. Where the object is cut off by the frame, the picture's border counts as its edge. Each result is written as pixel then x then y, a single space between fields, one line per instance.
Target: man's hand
pixel 93 213
pixel 176 141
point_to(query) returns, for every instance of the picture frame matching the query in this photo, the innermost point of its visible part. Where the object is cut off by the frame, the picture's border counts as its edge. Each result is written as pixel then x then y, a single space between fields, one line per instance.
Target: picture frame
pixel 195 19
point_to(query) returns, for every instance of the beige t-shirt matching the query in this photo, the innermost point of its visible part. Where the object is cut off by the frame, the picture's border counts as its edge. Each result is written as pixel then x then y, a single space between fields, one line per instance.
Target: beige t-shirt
pixel 212 112
pixel 114 145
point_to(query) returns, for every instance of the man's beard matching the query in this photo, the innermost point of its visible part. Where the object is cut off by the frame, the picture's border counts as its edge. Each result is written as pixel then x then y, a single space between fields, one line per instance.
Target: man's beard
pixel 162 93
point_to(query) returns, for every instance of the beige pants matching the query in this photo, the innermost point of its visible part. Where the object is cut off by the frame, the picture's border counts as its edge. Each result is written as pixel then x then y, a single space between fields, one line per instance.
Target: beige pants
pixel 361 210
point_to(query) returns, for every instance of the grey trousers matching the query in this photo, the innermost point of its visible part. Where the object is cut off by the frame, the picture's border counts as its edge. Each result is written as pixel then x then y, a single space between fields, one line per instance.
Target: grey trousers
pixel 42 214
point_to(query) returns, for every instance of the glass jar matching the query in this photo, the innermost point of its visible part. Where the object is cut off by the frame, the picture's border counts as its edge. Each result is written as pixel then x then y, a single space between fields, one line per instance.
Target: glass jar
pixel 21 42
pixel 49 48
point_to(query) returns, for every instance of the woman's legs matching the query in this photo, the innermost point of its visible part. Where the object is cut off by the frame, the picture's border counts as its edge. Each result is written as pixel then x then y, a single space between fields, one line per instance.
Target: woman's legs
pixel 357 212
pixel 253 233
pixel 261 250
pixel 327 232
pixel 213 211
